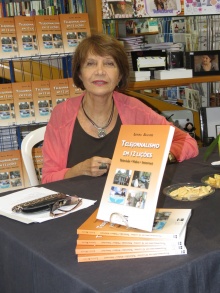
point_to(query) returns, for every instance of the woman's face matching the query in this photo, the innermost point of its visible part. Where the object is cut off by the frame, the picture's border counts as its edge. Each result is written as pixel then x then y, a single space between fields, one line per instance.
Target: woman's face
pixel 100 75
pixel 206 59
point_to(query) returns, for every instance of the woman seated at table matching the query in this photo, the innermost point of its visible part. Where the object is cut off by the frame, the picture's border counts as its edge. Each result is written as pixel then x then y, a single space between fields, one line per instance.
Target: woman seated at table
pixel 82 131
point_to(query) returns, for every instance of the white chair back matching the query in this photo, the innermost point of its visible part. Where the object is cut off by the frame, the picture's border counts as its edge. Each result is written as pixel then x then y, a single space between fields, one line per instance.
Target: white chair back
pixel 29 141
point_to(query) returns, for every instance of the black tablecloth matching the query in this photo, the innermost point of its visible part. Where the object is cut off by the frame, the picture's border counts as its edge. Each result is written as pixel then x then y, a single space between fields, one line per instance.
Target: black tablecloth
pixel 40 258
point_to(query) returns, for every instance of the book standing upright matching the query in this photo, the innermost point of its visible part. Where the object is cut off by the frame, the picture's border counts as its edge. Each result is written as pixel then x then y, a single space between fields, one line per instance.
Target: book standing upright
pixel 49 34
pixel 75 28
pixel 26 36
pixel 42 100
pixel 8 45
pixel 24 104
pixel 11 174
pixel 132 187
pixel 59 90
pixel 7 111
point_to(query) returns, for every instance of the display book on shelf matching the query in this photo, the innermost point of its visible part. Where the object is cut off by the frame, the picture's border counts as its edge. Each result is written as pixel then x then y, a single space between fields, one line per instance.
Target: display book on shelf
pixel 32 101
pixel 12 174
pixel 131 192
pixel 75 27
pixel 8 45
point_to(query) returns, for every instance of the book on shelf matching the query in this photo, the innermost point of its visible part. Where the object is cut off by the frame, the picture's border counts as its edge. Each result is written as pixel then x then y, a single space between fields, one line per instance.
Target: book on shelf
pixel 135 175
pixel 128 255
pixel 118 9
pixel 7 111
pixel 75 28
pixel 59 90
pixel 26 36
pixel 167 224
pixel 163 8
pixel 192 99
pixel 38 161
pixel 11 175
pixel 74 91
pixel 24 104
pixel 42 100
pixel 173 73
pixel 49 34
pixel 9 44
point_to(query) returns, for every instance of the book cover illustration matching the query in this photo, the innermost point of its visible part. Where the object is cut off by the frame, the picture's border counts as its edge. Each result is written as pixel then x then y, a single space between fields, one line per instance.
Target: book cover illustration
pixel 24 104
pixel 7 111
pixel 9 44
pixel 59 90
pixel 163 7
pixel 42 100
pixel 75 28
pixel 201 7
pixel 11 174
pixel 117 9
pixel 133 183
pixel 167 224
pixel 26 36
pixel 49 34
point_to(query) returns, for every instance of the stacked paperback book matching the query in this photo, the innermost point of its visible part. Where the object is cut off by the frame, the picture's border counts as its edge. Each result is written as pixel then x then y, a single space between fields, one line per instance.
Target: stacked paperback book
pixel 127 224
pixel 100 240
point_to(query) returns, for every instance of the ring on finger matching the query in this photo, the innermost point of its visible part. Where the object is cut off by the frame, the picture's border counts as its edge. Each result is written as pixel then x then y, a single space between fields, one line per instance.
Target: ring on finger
pixel 103 166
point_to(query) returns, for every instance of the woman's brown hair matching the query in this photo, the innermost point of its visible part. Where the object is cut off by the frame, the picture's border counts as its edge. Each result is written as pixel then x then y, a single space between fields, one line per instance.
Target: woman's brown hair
pixel 101 45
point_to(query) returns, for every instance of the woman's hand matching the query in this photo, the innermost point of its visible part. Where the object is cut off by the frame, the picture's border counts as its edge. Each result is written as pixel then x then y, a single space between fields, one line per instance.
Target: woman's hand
pixel 95 166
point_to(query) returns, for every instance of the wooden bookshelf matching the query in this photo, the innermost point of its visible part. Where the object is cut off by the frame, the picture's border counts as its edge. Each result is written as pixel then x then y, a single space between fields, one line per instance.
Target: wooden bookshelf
pixel 156 83
pixel 161 105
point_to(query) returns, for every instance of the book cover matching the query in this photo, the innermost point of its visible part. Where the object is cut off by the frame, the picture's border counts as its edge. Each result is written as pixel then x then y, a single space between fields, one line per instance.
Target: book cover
pixel 163 8
pixel 134 178
pixel 167 224
pixel 23 100
pixel 128 255
pixel 42 100
pixel 74 91
pixel 8 45
pixel 38 161
pixel 75 28
pixel 11 174
pixel 118 9
pixel 201 7
pixel 104 240
pixel 49 34
pixel 26 36
pixel 59 89
pixel 7 111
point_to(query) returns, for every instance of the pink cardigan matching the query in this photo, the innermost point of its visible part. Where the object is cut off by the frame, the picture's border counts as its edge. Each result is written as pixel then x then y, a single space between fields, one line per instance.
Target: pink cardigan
pixel 59 130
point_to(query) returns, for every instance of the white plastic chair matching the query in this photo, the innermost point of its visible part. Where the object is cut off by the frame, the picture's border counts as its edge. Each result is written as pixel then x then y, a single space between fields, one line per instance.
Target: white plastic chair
pixel 29 141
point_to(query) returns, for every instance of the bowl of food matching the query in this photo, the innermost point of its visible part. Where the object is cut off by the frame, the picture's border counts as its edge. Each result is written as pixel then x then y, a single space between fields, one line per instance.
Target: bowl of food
pixel 212 180
pixel 189 191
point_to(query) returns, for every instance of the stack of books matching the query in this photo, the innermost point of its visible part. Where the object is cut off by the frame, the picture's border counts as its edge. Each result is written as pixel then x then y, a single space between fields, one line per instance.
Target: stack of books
pixel 100 240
